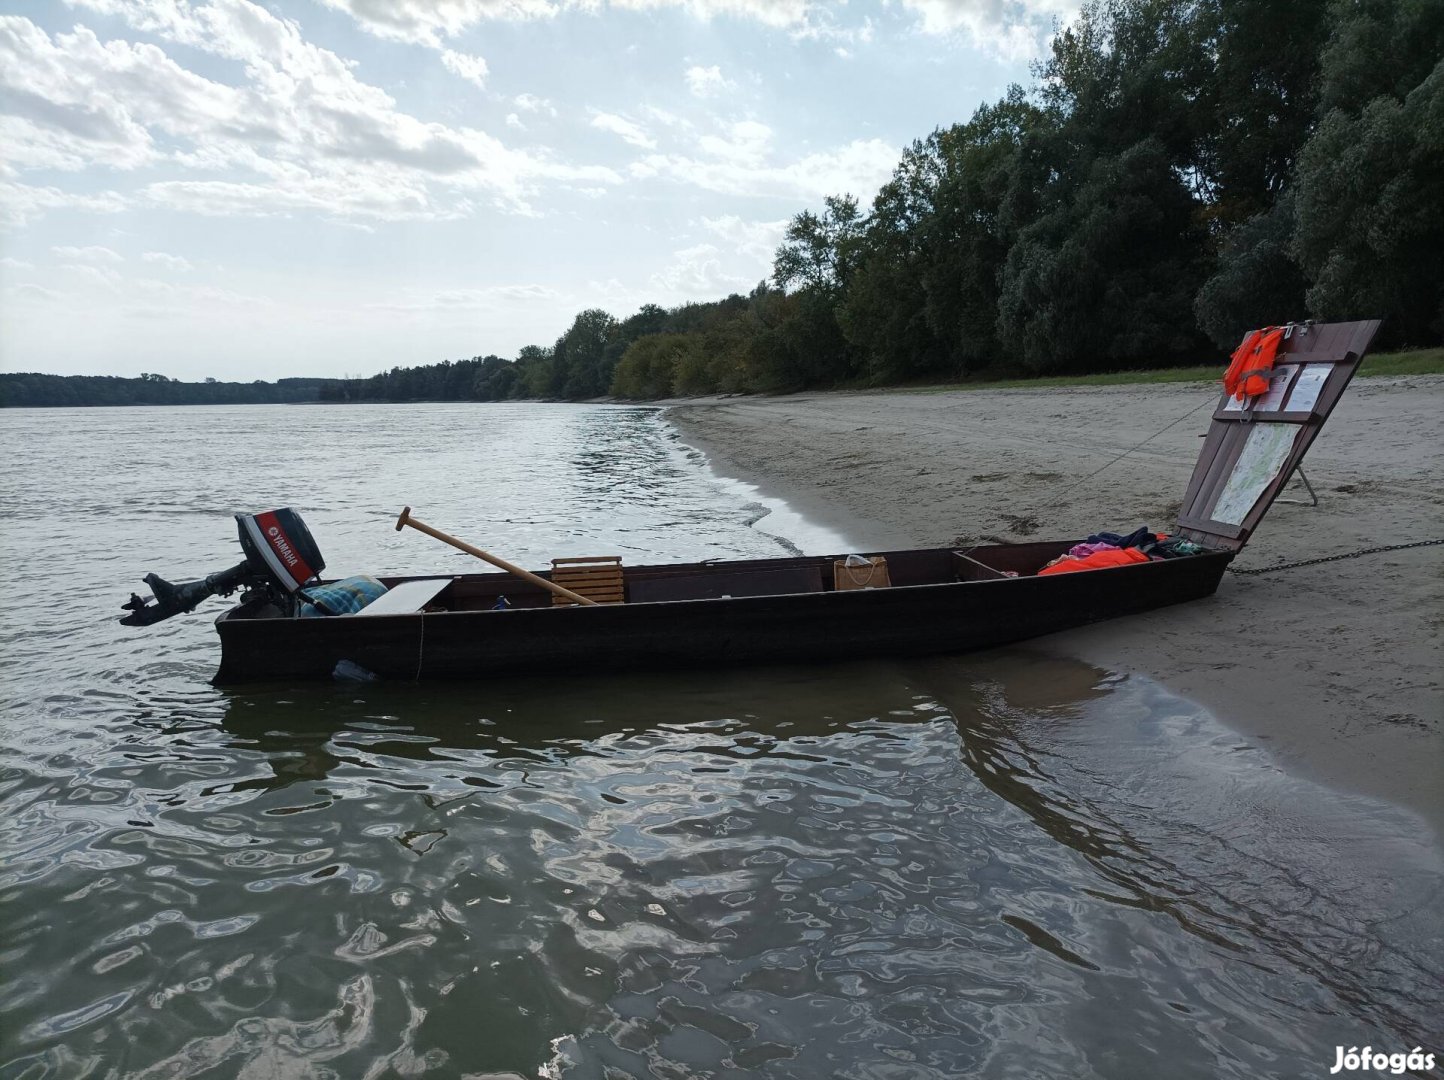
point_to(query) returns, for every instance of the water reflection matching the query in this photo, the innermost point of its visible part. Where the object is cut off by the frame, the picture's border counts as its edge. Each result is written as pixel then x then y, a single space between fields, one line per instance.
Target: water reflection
pixel 991 866
pixel 1180 817
pixel 934 869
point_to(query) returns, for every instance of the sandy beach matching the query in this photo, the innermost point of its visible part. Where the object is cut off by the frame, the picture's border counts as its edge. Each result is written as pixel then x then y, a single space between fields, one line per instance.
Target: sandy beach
pixel 1336 668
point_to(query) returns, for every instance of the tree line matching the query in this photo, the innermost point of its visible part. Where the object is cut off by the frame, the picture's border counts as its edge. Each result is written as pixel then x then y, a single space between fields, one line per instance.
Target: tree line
pixel 34 390
pixel 1177 172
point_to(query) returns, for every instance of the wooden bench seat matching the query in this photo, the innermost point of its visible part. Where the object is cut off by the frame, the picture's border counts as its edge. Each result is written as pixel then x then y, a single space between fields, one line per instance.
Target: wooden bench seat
pixel 598 578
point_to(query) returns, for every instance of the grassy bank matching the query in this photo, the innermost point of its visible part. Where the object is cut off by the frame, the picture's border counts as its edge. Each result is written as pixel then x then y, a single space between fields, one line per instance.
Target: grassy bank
pixel 1407 362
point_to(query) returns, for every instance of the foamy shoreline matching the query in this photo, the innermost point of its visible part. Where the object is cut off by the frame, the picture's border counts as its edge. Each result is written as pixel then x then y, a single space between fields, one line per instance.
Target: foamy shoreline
pixel 1335 668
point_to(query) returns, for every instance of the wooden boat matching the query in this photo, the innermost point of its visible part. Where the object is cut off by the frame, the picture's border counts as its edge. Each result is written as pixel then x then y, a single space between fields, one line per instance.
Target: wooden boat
pixel 710 615
pixel 729 613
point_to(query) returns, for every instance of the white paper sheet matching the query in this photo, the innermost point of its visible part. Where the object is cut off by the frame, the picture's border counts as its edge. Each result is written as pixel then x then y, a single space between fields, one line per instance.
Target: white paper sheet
pixel 1306 390
pixel 1273 398
pixel 1263 456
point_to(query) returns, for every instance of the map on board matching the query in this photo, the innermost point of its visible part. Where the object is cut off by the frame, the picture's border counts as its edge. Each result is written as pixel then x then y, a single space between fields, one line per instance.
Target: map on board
pixel 1262 458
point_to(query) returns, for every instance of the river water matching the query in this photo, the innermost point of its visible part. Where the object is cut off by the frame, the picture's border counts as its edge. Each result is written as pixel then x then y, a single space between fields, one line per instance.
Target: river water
pixel 998 865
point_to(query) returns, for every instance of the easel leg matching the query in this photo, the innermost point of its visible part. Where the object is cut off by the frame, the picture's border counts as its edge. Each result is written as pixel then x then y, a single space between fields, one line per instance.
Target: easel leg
pixel 1313 495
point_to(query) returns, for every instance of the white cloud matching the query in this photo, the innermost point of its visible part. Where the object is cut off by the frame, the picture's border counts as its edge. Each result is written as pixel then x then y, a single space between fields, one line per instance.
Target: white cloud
pixel 666 118
pixel 178 263
pixel 152 291
pixel 73 102
pixel 997 24
pixel 778 14
pixel 224 198
pixel 21 202
pixel 708 81
pixel 470 68
pixel 491 298
pixel 822 25
pixel 430 22
pixel 99 285
pixel 696 272
pixel 99 277
pixel 859 167
pixel 625 129
pixel 533 104
pixel 744 142
pixel 313 136
pixel 31 293
pixel 612 295
pixel 15 264
pixel 28 145
pixel 756 240
pixel 1004 26
pixel 532 292
pixel 94 254
pixel 1011 29
pixel 514 121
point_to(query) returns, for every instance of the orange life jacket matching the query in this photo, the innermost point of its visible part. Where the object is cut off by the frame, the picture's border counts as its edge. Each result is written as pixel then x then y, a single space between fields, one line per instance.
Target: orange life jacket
pixel 1253 363
pixel 1099 560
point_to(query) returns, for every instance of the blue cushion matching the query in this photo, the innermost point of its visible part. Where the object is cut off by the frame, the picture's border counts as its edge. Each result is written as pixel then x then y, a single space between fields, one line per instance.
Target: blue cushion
pixel 339 597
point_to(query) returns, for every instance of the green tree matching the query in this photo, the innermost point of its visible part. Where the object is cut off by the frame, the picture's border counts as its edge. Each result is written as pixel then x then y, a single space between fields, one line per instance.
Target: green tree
pixel 1255 105
pixel 535 368
pixel 1257 282
pixel 969 234
pixel 883 312
pixel 647 367
pixel 1108 278
pixel 1369 217
pixel 819 251
pixel 494 380
pixel 581 358
pixel 1378 48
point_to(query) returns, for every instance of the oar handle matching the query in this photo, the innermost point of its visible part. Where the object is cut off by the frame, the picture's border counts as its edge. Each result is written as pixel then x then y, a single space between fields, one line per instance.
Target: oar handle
pixel 486 556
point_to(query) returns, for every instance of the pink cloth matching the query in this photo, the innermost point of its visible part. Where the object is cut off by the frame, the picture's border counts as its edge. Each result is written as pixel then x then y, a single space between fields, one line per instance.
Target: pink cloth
pixel 1082 551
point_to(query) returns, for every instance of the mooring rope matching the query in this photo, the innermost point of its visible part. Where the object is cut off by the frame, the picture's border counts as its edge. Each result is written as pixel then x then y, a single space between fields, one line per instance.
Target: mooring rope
pixel 1212 397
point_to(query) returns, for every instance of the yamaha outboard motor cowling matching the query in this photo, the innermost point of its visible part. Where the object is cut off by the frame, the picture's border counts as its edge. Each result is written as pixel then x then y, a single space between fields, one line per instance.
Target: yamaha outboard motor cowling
pixel 281 557
pixel 280 542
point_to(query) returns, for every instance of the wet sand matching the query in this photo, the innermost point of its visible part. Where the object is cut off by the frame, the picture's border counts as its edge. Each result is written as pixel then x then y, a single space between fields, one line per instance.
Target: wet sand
pixel 1335 668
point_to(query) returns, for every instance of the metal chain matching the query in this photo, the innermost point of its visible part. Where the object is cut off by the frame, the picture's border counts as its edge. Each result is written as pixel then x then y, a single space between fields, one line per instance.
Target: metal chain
pixel 1334 558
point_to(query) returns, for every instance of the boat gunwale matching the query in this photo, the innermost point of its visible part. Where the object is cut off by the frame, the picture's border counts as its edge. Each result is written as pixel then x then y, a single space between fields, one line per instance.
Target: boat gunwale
pixel 226 617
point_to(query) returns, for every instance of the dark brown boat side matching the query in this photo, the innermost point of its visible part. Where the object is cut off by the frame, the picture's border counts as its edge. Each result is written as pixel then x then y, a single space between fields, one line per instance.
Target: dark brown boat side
pixel 789 610
pixel 928 609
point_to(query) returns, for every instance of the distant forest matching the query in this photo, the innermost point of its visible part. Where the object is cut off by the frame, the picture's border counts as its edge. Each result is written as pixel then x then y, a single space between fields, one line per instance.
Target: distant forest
pixel 35 390
pixel 1178 172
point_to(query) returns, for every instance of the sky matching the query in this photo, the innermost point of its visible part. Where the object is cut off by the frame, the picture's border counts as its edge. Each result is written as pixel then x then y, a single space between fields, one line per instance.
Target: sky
pixel 234 190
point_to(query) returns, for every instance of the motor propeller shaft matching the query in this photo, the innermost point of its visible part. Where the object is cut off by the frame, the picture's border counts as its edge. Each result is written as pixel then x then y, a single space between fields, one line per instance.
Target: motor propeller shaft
pixel 178 599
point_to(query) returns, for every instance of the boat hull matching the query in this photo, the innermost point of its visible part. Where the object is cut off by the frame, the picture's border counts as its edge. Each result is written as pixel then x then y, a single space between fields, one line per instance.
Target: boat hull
pixel 830 626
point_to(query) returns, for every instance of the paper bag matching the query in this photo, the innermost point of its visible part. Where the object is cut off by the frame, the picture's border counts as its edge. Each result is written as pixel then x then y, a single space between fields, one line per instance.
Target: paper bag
pixel 873 575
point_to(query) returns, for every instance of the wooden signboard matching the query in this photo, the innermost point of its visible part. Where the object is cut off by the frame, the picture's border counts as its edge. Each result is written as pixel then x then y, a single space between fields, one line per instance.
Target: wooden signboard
pixel 1254 445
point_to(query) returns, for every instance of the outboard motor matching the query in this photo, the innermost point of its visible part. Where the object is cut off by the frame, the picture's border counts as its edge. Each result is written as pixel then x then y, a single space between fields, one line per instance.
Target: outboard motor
pixel 281 557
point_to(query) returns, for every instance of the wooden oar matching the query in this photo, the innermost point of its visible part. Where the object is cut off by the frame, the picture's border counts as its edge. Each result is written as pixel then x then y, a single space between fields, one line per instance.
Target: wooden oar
pixel 486 556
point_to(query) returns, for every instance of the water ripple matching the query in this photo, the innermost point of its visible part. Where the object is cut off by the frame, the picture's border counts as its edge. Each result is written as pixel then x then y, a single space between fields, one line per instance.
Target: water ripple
pixel 998 866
